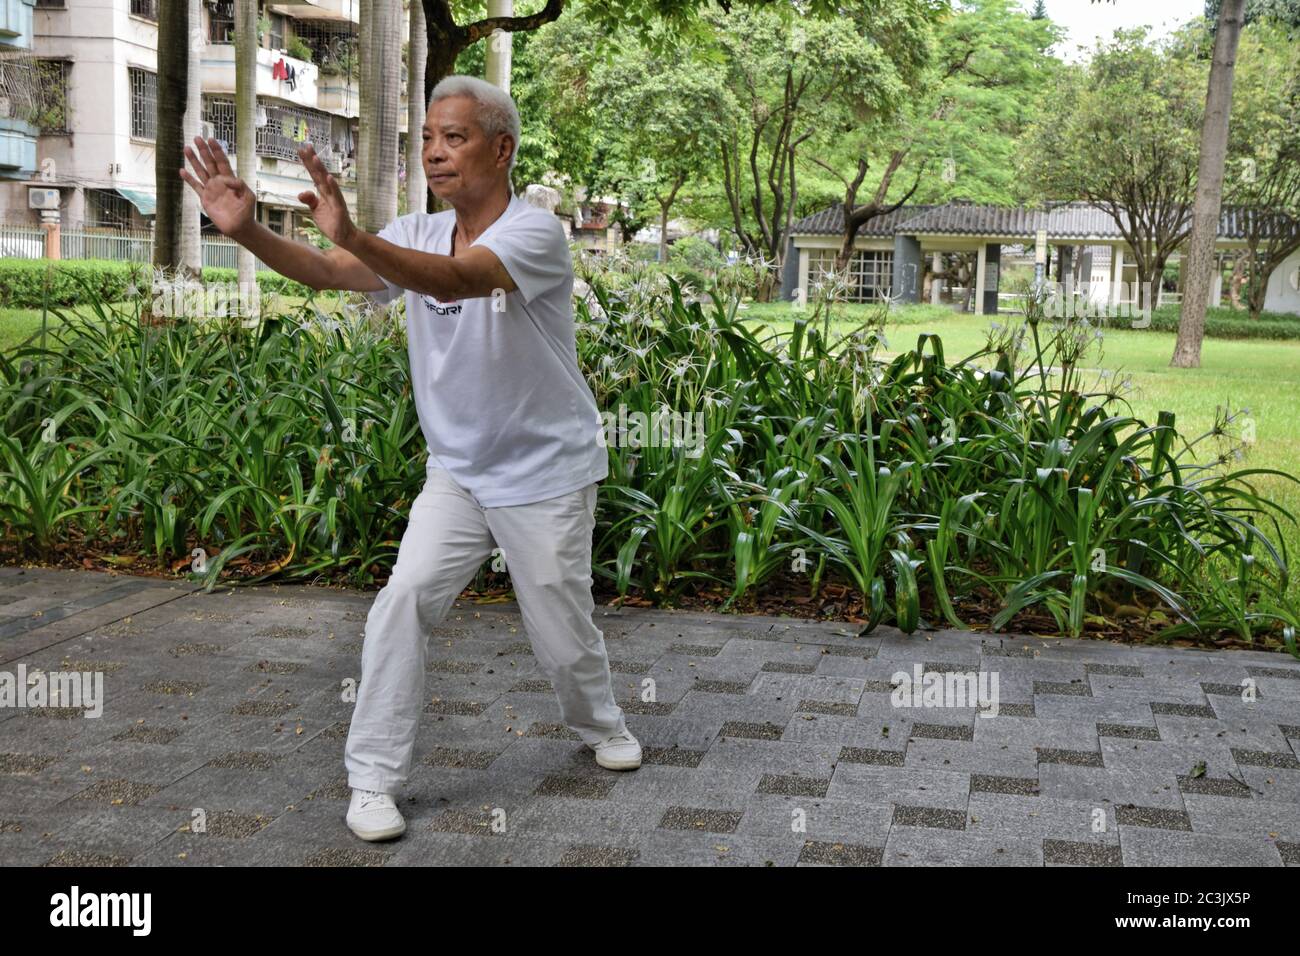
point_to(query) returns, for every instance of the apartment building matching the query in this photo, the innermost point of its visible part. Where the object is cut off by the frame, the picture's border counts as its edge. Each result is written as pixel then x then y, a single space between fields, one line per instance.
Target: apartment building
pixel 95 118
pixel 17 133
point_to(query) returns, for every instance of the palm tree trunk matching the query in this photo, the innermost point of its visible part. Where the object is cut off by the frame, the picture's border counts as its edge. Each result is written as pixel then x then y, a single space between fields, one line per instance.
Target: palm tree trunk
pixel 417 187
pixel 190 251
pixel 381 35
pixel 173 70
pixel 1209 187
pixel 246 44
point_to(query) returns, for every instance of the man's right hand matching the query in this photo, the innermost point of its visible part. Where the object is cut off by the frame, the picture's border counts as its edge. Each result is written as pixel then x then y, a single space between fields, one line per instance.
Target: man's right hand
pixel 226 199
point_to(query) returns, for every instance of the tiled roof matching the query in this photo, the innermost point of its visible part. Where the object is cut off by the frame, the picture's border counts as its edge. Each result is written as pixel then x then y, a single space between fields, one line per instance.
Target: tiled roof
pixel 1234 220
pixel 1063 221
pixel 1074 220
pixel 830 222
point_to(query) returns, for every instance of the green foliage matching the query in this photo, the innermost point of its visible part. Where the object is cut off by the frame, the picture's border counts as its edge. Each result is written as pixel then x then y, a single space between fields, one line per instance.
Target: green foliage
pixel 695 253
pixel 976 491
pixel 298 49
pixel 1226 323
pixel 26 283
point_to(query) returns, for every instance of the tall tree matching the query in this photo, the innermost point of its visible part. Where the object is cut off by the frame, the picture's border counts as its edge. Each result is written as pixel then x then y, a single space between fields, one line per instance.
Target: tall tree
pixel 377 140
pixel 1285 12
pixel 169 144
pixel 668 111
pixel 448 39
pixel 1262 177
pixel 1122 138
pixel 959 128
pixel 1199 261
pixel 785 83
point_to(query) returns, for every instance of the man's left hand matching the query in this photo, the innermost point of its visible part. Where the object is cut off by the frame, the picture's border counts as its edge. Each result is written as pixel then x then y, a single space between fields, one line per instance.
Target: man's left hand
pixel 327 207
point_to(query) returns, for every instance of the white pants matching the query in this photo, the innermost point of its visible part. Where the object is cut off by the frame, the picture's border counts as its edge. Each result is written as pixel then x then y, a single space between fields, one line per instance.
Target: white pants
pixel 547 550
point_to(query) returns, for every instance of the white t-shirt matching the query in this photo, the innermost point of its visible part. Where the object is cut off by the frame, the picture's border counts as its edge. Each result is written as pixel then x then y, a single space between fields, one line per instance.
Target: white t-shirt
pixel 502 403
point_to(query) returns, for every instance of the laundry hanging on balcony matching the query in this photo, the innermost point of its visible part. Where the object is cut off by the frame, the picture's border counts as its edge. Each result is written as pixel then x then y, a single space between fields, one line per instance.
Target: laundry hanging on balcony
pixel 279 70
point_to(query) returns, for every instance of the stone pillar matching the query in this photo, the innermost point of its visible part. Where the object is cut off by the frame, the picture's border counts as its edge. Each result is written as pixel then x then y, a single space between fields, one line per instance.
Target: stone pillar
pixel 1116 276
pixel 988 290
pixel 936 284
pixel 906 282
pixel 53 246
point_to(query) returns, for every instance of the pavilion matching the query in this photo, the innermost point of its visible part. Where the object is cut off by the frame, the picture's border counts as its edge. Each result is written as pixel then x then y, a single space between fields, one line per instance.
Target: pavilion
pixel 1071 239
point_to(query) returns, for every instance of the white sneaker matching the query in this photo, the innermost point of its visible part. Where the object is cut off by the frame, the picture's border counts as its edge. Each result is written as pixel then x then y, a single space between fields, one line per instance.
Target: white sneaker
pixel 619 751
pixel 374 816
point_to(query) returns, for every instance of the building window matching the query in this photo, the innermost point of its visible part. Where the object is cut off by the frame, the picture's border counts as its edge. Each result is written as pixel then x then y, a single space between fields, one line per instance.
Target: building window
pixel 275 221
pixel 144 103
pixel 277 32
pixel 219 115
pixel 51 4
pixel 107 209
pixel 870 272
pixel 221 22
pixel 53 85
pixel 145 8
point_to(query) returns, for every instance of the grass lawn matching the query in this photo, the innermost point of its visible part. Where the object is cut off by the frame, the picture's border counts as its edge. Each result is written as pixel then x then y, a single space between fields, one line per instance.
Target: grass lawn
pixel 16 325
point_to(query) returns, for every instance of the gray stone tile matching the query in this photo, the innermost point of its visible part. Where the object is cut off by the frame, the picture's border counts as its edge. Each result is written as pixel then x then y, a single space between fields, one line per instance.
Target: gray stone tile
pixel 1148 847
pixel 909 846
pixel 877 784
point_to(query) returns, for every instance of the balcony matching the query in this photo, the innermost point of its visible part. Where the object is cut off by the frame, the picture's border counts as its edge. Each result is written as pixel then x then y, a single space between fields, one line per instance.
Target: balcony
pixel 219 75
pixel 16 22
pixel 344 11
pixel 339 94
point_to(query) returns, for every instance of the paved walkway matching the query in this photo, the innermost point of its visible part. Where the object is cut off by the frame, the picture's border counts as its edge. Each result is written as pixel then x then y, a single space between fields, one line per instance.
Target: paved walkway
pixel 766 742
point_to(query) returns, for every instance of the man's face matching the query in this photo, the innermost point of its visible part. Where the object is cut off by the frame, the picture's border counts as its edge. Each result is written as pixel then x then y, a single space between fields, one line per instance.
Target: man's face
pixel 459 160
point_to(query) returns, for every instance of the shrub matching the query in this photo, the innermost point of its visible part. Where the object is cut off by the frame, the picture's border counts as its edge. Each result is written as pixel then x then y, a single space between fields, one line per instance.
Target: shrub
pixel 26 283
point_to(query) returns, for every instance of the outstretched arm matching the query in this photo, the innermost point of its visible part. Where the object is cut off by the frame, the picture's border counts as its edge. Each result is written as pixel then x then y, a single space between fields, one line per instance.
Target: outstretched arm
pixel 472 273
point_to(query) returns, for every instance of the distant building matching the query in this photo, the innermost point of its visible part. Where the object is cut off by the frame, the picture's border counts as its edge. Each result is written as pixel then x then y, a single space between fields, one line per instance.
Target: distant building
pixel 1079 240
pixel 97 60
pixel 17 131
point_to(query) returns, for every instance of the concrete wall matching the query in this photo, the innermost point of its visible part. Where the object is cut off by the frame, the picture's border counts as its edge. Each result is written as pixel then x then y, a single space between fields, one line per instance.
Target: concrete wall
pixel 1281 295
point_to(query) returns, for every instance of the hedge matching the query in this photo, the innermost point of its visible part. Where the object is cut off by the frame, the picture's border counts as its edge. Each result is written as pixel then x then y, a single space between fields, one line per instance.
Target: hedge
pixel 1227 323
pixel 70 281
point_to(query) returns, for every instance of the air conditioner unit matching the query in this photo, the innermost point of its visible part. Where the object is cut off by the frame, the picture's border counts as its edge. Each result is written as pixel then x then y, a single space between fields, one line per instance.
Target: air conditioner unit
pixel 42 198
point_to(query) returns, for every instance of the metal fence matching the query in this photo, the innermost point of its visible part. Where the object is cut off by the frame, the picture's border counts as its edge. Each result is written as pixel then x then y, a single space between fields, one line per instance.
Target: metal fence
pixel 20 241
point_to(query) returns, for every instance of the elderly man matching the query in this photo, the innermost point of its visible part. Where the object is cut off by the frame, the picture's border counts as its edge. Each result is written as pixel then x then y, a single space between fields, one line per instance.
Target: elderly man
pixel 511 425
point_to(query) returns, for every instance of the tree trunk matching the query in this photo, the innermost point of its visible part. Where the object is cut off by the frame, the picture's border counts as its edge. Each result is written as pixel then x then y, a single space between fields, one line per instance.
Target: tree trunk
pixel 173 70
pixel 190 249
pixel 445 41
pixel 417 186
pixel 381 34
pixel 1236 280
pixel 246 45
pixel 1209 187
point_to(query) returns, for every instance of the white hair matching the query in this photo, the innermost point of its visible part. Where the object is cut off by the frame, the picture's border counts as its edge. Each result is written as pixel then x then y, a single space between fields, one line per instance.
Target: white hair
pixel 495 113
